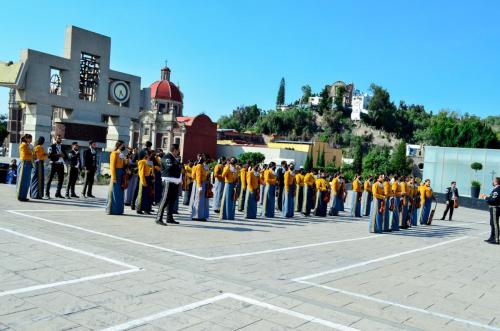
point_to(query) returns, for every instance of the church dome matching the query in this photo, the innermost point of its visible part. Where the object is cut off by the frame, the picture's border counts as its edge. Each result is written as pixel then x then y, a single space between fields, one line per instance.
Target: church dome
pixel 165 89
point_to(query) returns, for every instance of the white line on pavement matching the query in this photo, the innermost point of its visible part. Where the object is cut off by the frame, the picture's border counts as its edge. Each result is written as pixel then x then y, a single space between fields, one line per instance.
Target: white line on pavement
pixel 361 264
pixel 131 268
pixel 194 305
pixel 395 304
pixel 214 258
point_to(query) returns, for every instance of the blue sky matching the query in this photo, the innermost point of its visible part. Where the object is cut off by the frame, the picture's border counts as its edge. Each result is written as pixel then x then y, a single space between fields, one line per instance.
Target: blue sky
pixel 442 54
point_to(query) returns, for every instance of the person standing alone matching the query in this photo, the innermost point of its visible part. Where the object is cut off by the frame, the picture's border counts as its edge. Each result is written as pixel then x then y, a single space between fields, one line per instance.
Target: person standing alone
pixel 89 168
pixel 451 199
pixel 493 200
pixel 56 157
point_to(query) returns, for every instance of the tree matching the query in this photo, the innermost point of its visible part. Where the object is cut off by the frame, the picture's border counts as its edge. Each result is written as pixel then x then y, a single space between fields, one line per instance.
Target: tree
pixel 357 164
pixel 326 101
pixel 280 99
pixel 306 94
pixel 375 162
pixel 242 118
pixel 295 123
pixel 320 162
pixel 308 164
pixel 253 157
pixel 3 128
pixel 400 164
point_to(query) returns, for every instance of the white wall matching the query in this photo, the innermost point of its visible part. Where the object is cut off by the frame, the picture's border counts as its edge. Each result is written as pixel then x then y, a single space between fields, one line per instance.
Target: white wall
pixel 271 154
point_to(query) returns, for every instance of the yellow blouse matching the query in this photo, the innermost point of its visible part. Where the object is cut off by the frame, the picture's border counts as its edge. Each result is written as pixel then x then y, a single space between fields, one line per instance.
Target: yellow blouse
pixel 115 162
pixel 335 185
pixel 218 172
pixel 378 190
pixel 25 152
pixel 200 174
pixel 243 178
pixel 356 185
pixel 396 189
pixel 229 176
pixel 289 180
pixel 387 189
pixel 252 181
pixel 270 177
pixel 299 180
pixel 367 186
pixel 309 179
pixel 39 153
pixel 144 170
pixel 321 185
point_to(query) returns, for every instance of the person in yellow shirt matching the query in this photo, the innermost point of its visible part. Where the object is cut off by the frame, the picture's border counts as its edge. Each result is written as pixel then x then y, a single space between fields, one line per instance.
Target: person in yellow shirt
pixel 230 178
pixel 158 191
pixel 262 182
pixel 218 183
pixel 38 177
pixel 386 225
pixel 396 197
pixel 243 186
pixel 378 206
pixel 366 200
pixel 145 173
pixel 299 189
pixel 288 207
pixel 322 195
pixel 309 194
pixel 200 202
pixel 188 182
pixel 404 219
pixel 426 197
pixel 24 168
pixel 357 192
pixel 336 192
pixel 270 191
pixel 116 202
pixel 252 193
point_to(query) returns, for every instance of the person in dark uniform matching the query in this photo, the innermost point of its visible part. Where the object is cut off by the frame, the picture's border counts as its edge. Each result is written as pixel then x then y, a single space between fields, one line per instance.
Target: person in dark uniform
pixel 451 196
pixel 280 176
pixel 494 201
pixel 74 166
pixel 89 168
pixel 56 157
pixel 171 176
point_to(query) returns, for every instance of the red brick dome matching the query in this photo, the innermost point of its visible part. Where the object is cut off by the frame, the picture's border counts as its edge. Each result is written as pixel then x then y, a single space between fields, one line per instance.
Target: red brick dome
pixel 163 89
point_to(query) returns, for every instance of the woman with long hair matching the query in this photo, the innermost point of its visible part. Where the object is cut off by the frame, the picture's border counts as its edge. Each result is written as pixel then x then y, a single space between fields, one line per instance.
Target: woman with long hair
pixel 378 206
pixel 24 168
pixel 115 203
pixel 146 181
pixel 288 204
pixel 252 194
pixel 270 191
pixel 38 175
pixel 230 178
pixel 199 200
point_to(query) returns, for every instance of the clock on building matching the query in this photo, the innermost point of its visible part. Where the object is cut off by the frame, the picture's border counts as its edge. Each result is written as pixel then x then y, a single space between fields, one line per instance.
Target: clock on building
pixel 119 91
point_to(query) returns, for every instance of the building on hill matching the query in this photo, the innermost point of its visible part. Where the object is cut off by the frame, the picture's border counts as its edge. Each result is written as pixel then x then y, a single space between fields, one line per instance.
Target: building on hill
pixel 347 95
pixel 359 105
pixel 231 135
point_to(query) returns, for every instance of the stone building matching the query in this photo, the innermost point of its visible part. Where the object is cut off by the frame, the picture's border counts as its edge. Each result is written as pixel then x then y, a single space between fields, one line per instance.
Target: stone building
pixel 346 96
pixel 77 95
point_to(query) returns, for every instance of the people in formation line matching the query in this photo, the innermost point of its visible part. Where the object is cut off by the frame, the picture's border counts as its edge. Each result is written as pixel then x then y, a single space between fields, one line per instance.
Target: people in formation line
pixel 144 178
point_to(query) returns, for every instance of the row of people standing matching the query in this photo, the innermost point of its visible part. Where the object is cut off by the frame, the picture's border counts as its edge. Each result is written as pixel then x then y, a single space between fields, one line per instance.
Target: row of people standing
pixel 31 170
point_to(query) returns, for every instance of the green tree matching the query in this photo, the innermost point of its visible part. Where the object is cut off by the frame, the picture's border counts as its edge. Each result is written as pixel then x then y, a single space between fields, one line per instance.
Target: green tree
pixel 3 128
pixel 326 101
pixel 308 164
pixel 253 157
pixel 296 123
pixel 357 164
pixel 320 162
pixel 242 118
pixel 280 99
pixel 400 164
pixel 376 161
pixel 338 101
pixel 306 94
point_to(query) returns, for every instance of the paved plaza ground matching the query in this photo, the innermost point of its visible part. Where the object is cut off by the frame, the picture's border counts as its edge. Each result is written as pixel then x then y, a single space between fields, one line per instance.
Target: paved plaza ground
pixel 66 265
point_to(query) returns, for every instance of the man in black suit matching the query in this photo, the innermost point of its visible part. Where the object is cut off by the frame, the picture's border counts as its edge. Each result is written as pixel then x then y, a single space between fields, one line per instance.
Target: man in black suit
pixel 56 157
pixel 171 176
pixel 74 166
pixel 493 200
pixel 280 177
pixel 451 196
pixel 89 169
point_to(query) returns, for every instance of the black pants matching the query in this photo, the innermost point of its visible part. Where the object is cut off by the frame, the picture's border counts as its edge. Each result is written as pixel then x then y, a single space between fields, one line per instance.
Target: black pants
pixel 55 168
pixel 494 216
pixel 170 193
pixel 449 207
pixel 89 181
pixel 134 196
pixel 72 178
pixel 280 197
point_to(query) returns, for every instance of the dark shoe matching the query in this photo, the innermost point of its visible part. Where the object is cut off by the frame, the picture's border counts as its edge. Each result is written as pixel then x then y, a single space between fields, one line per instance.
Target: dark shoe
pixel 148 212
pixel 47 195
pixel 23 199
pixel 67 197
pixel 58 195
pixel 139 212
pixel 84 195
pixel 441 219
pixel 90 196
pixel 75 196
pixel 160 223
pixel 172 222
pixel 493 242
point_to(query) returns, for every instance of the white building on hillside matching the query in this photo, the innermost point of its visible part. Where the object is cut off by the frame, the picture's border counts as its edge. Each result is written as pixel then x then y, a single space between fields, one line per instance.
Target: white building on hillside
pixel 360 103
